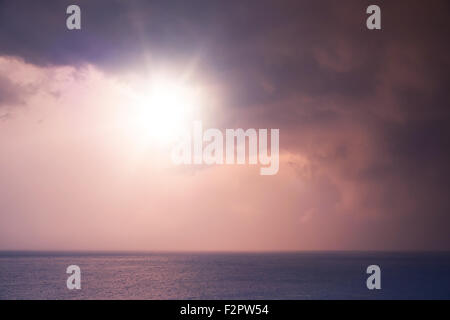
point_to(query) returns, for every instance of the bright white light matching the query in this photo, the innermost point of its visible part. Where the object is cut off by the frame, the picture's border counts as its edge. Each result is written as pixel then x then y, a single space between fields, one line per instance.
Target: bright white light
pixel 163 111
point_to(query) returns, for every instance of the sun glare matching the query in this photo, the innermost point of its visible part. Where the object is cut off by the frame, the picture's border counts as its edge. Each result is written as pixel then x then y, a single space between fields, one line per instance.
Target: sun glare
pixel 163 110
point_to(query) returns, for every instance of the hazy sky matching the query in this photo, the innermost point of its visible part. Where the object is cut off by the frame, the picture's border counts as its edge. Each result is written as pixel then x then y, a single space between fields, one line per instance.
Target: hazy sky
pixel 363 115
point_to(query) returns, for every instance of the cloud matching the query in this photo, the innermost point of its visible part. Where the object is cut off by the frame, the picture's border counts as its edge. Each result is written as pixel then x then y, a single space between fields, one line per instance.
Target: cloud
pixel 11 93
pixel 363 114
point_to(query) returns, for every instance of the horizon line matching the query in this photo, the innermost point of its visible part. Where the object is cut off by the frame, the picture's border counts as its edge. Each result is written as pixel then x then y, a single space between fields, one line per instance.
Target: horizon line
pixel 116 252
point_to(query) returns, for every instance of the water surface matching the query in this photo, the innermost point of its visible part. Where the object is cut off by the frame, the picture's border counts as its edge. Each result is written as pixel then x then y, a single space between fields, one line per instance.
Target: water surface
pixel 308 275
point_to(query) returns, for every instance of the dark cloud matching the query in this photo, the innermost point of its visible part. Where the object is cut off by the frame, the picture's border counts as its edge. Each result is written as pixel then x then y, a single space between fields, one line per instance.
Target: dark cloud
pixel 11 93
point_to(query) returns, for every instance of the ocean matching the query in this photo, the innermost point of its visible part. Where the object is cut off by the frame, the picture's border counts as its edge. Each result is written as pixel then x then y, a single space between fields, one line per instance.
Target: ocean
pixel 303 275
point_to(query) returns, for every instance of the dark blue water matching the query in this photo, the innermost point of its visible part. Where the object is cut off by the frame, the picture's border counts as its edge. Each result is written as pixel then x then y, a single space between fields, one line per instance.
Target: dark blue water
pixel 224 276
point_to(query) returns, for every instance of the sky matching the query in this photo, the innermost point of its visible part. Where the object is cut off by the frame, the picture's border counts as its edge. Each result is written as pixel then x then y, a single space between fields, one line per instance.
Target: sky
pixel 363 116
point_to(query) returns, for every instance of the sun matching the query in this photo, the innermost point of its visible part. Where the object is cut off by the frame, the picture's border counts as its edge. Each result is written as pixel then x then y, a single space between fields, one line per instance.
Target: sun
pixel 163 110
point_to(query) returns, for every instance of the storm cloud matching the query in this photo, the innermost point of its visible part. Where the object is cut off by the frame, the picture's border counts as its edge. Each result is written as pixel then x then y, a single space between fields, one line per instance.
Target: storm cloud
pixel 364 115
